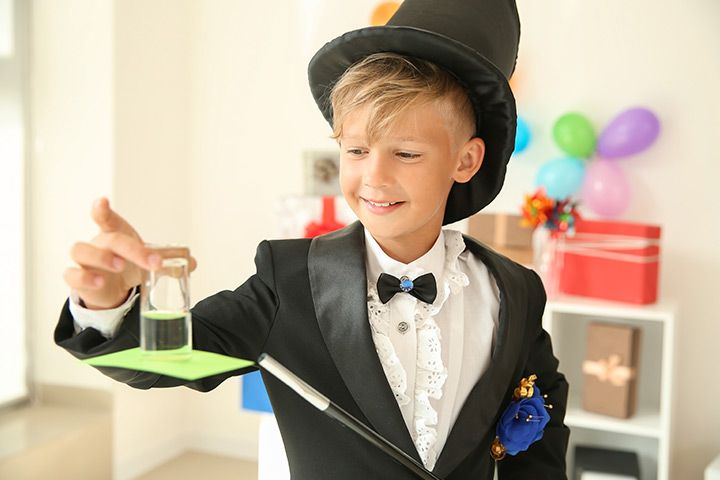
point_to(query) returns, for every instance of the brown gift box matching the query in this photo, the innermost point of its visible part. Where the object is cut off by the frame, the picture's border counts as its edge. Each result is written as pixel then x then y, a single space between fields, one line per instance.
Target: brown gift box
pixel 503 233
pixel 610 369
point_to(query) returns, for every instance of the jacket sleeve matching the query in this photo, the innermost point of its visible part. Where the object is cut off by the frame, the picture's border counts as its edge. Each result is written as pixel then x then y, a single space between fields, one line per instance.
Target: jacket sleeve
pixel 234 323
pixel 544 459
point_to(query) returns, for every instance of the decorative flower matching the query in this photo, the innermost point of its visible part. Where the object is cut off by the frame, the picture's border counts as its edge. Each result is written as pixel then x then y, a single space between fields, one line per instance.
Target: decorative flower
pixel 555 215
pixel 523 422
pixel 536 209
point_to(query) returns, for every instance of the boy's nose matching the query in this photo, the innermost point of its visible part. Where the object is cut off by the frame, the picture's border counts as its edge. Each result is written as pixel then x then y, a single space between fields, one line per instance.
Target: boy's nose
pixel 377 171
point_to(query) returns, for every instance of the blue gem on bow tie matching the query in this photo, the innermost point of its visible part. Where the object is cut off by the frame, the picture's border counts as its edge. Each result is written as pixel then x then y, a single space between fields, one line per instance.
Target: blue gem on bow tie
pixel 406 284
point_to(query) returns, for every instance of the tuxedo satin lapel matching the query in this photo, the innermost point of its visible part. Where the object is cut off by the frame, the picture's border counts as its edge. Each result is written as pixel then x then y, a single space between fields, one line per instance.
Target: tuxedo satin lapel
pixel 338 281
pixel 482 406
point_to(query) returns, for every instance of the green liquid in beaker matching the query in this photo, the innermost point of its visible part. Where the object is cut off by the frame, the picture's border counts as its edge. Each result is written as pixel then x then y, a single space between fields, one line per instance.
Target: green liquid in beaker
pixel 166 332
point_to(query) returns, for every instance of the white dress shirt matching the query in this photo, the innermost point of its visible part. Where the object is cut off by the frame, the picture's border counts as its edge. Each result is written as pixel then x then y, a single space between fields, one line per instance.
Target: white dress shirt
pixel 106 321
pixel 432 355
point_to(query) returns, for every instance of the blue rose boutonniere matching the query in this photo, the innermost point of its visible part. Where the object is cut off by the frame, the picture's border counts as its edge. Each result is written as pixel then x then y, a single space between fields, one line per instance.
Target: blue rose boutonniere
pixel 523 421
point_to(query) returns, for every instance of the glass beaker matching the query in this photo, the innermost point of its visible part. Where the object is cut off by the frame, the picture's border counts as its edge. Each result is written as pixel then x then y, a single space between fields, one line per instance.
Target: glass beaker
pixel 165 318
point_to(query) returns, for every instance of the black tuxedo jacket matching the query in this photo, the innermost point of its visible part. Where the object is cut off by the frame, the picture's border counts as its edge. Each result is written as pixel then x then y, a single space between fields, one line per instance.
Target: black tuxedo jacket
pixel 307 307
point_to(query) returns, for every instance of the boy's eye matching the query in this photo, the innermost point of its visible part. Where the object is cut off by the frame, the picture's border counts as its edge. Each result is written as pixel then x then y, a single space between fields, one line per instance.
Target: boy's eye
pixel 355 151
pixel 408 155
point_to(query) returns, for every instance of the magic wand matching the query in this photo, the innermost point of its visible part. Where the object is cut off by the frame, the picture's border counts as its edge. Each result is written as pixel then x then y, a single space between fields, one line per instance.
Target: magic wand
pixel 322 403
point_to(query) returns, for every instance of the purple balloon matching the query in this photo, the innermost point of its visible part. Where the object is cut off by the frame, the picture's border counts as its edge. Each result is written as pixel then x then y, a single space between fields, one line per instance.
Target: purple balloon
pixel 605 190
pixel 630 132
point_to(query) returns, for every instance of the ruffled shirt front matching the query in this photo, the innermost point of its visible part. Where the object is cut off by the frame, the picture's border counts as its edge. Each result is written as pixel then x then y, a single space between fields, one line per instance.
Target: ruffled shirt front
pixel 422 346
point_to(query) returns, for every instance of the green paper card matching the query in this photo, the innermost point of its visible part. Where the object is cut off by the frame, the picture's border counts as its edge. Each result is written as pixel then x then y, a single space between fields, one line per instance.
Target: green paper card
pixel 200 364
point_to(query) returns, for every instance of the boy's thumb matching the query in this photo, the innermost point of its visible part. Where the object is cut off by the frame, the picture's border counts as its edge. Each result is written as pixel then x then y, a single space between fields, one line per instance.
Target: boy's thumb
pixel 96 204
pixel 101 212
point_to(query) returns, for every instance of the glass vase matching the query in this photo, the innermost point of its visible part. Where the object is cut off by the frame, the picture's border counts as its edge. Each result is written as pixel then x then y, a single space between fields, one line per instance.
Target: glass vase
pixel 548 258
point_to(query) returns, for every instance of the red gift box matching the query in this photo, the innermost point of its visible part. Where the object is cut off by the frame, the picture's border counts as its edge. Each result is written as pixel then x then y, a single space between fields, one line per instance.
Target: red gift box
pixel 611 260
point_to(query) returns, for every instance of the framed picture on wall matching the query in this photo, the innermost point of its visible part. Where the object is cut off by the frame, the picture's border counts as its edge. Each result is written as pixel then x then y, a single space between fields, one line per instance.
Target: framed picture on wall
pixel 322 169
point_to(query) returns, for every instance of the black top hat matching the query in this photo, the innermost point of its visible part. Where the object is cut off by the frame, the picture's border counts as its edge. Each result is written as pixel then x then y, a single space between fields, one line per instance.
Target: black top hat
pixel 474 40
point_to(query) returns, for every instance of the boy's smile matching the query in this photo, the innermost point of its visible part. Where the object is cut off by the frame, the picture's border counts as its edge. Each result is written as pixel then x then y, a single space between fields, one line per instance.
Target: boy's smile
pixel 398 185
pixel 381 208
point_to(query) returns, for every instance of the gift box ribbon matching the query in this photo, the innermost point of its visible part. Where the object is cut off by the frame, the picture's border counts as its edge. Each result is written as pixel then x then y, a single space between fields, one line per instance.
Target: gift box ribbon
pixel 609 370
pixel 597 244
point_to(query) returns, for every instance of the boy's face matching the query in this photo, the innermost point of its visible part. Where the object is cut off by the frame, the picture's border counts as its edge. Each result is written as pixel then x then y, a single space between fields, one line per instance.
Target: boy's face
pixel 412 166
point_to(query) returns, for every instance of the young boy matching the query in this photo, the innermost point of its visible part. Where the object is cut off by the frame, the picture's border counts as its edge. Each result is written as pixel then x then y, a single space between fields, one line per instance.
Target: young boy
pixel 418 331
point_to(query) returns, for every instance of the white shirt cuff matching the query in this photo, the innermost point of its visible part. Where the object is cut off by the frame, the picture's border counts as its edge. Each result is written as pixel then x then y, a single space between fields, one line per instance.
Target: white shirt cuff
pixel 106 321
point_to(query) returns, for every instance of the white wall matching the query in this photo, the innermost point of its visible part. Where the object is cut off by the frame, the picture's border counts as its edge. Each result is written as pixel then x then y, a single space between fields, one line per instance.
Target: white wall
pixel 71 162
pixel 214 95
pixel 13 94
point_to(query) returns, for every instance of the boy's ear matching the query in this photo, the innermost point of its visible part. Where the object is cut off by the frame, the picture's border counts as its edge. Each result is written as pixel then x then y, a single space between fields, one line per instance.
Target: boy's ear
pixel 470 158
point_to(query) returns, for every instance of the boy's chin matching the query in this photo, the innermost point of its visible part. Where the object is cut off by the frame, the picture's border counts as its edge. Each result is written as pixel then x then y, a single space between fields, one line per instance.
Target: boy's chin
pixel 384 229
pixel 379 228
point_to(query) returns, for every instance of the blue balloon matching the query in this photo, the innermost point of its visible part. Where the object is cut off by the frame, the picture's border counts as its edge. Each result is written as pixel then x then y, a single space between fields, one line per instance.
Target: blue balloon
pixel 522 135
pixel 561 177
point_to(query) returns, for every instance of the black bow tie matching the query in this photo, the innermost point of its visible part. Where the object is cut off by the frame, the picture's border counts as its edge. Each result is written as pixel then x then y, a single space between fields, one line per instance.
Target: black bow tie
pixel 422 288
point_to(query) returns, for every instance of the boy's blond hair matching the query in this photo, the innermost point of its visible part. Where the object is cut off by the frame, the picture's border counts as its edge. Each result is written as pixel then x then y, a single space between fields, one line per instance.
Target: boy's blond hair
pixel 388 83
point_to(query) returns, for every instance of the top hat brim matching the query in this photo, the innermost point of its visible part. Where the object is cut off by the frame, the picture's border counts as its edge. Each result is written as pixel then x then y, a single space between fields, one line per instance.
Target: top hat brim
pixel 486 85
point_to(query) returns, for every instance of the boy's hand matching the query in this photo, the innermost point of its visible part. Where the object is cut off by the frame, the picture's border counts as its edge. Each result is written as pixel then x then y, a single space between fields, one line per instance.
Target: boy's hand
pixel 112 262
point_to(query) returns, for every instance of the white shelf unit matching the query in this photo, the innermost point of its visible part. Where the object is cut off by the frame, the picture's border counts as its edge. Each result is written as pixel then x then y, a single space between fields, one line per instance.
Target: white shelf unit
pixel 648 431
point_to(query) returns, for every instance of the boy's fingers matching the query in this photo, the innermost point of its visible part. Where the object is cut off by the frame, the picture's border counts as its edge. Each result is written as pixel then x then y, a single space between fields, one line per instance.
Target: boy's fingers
pixel 89 255
pixel 127 247
pixel 118 236
pixel 83 279
pixel 107 219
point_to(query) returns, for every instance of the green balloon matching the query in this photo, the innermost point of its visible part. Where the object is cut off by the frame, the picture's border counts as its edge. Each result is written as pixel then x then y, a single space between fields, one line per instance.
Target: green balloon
pixel 575 135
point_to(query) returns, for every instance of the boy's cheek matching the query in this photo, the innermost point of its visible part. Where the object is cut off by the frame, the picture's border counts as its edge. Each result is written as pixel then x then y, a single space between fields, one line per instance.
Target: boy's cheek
pixel 349 196
pixel 348 184
pixel 346 189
